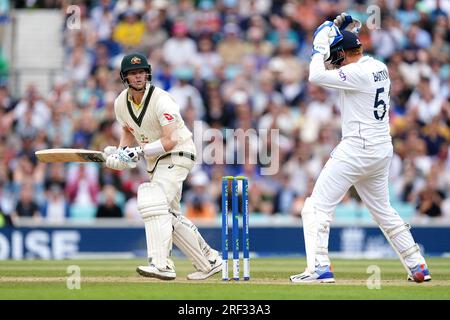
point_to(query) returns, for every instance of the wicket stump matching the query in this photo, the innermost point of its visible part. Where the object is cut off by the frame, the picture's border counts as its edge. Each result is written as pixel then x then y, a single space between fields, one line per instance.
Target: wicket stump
pixel 235 226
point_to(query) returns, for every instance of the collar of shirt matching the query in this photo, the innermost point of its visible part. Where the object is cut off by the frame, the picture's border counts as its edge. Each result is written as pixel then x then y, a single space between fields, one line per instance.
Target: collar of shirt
pixel 130 98
pixel 363 59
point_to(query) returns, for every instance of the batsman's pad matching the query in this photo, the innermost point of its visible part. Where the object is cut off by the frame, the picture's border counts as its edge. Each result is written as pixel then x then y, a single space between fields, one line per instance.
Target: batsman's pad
pixel 401 240
pixel 152 204
pixel 158 232
pixel 316 230
pixel 151 200
pixel 187 238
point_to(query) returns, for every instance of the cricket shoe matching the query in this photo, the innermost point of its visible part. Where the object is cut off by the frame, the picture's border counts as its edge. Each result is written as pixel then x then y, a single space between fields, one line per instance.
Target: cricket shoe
pixel 216 266
pixel 320 275
pixel 151 271
pixel 422 268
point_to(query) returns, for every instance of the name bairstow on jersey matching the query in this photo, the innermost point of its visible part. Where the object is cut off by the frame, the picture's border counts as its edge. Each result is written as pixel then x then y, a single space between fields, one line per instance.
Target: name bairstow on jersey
pixel 380 75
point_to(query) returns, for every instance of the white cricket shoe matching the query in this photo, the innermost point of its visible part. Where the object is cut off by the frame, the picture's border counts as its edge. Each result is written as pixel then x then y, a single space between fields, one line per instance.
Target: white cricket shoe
pixel 153 272
pixel 216 266
pixel 320 275
pixel 422 268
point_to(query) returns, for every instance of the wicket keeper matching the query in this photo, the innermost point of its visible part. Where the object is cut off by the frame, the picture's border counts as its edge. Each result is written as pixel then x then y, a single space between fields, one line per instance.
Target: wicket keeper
pixel 363 156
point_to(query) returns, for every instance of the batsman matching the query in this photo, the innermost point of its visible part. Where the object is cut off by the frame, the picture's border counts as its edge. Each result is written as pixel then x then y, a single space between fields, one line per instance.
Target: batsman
pixel 150 118
pixel 363 156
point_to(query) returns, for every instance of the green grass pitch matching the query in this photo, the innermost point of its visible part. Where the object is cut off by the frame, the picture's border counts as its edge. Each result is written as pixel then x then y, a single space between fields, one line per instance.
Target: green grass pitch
pixel 117 279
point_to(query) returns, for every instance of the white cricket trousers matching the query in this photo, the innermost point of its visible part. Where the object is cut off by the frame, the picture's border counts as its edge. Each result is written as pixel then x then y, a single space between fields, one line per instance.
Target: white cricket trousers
pixel 366 168
pixel 171 177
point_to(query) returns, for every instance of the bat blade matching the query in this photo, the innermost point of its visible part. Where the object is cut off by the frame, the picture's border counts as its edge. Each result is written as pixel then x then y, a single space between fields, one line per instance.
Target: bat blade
pixel 70 155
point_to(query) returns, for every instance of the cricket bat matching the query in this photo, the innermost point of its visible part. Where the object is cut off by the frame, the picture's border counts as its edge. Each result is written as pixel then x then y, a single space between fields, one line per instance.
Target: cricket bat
pixel 70 155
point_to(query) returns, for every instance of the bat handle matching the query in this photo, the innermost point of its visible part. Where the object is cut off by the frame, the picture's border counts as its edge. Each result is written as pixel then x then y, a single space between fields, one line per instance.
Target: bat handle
pixel 109 150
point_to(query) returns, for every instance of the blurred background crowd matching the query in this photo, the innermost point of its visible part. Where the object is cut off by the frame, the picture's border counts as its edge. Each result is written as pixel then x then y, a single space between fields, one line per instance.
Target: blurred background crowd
pixel 229 64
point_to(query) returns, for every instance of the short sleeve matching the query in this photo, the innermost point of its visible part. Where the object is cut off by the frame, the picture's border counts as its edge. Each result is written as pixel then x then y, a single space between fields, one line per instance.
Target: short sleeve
pixel 167 110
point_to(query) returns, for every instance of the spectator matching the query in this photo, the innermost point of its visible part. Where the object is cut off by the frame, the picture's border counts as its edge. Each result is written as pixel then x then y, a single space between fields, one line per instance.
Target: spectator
pixel 60 129
pixel 208 60
pixel 430 200
pixel 285 197
pixel 282 32
pixel 199 203
pixel 424 103
pixel 85 127
pixel 56 208
pixel 407 14
pixel 207 19
pixel 26 206
pixel 38 111
pixel 104 136
pixel 391 36
pixel 108 208
pixel 185 94
pixel 122 7
pixel 277 117
pixel 78 66
pixel 103 19
pixel 55 175
pixel 321 107
pixel 258 48
pixel 27 172
pixel 180 50
pixel 130 30
pixel 231 48
pixel 82 189
pixel 433 137
pixel 155 35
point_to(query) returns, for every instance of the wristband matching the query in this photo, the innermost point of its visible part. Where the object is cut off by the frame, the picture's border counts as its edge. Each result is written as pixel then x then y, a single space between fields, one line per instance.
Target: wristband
pixel 154 148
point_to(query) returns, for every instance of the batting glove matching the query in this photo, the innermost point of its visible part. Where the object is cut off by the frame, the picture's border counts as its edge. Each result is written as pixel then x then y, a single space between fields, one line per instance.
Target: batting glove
pixel 122 159
pixel 344 21
pixel 135 153
pixel 326 35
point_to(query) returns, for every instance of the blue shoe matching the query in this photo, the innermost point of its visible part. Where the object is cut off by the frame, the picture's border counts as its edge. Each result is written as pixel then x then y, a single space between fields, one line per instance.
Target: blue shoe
pixel 320 275
pixel 423 269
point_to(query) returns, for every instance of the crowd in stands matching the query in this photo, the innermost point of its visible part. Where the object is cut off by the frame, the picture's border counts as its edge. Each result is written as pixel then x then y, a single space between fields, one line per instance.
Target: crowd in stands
pixel 229 64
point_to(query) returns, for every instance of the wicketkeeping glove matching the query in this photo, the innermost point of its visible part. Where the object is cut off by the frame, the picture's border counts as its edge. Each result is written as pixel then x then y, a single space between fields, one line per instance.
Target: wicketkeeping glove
pixel 344 21
pixel 326 35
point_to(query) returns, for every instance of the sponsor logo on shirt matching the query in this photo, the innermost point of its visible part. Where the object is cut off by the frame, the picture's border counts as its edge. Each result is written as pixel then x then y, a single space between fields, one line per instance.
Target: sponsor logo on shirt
pixel 342 75
pixel 168 116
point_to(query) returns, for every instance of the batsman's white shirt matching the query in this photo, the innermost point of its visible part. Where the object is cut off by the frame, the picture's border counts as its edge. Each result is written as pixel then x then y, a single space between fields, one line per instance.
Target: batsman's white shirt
pixel 146 121
pixel 166 175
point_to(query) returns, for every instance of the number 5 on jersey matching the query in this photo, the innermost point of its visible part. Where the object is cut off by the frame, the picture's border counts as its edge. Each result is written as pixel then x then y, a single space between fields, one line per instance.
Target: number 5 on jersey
pixel 379 105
